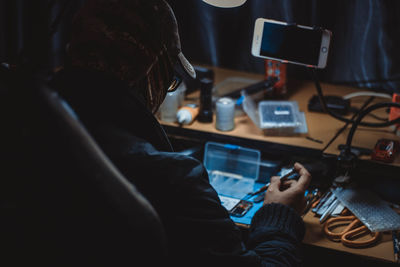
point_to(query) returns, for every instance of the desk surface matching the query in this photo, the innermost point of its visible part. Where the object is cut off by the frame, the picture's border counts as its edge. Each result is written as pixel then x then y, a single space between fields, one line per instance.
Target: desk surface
pixel 321 127
pixel 314 236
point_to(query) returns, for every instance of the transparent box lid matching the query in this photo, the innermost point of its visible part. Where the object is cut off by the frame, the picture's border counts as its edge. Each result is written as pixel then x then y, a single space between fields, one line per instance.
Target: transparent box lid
pixel 232 159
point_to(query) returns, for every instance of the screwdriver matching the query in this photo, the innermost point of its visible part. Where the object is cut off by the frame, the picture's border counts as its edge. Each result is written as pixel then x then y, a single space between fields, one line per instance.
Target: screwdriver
pixel 282 178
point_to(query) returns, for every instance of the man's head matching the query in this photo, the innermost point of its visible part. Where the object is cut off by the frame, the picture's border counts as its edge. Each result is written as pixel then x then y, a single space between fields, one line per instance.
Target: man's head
pixel 136 41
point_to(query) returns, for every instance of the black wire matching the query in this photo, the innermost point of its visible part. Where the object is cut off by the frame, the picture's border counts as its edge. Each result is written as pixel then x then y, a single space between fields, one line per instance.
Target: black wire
pixel 347 123
pixel 355 110
pixel 333 114
pixel 376 117
pixel 361 116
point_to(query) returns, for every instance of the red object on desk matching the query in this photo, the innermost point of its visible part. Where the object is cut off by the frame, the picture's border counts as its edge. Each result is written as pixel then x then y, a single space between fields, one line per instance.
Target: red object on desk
pixel 395 112
pixel 277 69
pixel 385 150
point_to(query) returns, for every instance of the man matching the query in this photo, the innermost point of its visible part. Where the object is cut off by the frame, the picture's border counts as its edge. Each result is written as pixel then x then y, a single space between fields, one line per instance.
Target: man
pixel 124 56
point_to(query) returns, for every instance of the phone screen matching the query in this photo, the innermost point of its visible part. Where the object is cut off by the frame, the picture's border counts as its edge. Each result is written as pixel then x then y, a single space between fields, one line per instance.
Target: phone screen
pixel 291 43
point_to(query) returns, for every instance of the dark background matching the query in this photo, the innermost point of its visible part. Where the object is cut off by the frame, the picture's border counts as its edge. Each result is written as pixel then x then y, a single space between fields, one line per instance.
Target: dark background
pixel 365 36
pixel 364 49
pixel 364 52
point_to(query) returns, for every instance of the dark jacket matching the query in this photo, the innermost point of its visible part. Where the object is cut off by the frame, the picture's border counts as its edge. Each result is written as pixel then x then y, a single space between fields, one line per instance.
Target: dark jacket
pixel 199 229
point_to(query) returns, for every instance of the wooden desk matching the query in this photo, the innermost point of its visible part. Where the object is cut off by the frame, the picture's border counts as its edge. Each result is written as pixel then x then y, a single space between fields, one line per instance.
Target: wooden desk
pixel 320 126
pixel 383 250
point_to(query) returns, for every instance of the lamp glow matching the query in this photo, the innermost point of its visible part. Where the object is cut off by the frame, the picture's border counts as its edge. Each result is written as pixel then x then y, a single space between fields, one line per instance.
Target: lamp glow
pixel 225 3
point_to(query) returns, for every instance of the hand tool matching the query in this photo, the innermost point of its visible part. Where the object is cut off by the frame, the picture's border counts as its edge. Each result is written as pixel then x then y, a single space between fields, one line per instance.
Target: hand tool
pixel 351 235
pixel 329 210
pixel 282 178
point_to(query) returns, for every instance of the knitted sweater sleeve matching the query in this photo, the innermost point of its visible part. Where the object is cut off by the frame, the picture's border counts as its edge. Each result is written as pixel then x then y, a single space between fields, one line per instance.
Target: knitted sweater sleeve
pixel 275 235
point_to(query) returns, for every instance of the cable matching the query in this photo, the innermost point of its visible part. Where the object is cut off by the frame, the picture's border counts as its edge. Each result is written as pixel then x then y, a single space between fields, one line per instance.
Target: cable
pixel 376 117
pixel 367 93
pixel 336 116
pixel 347 123
pixel 361 116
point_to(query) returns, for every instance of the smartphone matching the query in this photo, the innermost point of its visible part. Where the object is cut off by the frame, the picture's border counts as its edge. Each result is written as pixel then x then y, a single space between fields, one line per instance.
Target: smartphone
pixel 290 43
pixel 241 208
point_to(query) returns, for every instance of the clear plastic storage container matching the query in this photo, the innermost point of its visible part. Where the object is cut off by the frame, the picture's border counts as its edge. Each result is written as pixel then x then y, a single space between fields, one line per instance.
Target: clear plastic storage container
pixel 278 114
pixel 232 169
pixel 281 117
pixel 276 118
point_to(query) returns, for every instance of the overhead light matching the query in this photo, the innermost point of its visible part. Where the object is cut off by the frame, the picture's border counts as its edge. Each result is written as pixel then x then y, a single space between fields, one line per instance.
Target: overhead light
pixel 225 3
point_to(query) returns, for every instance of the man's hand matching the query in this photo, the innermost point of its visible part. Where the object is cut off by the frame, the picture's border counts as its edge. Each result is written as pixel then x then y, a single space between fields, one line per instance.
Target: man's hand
pixel 290 192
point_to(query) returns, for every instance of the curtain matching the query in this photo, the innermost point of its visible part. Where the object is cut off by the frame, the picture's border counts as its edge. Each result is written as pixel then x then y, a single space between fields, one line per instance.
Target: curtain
pixel 35 33
pixel 365 46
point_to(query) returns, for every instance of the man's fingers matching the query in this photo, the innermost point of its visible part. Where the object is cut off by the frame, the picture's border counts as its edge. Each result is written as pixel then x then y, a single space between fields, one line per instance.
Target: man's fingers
pixel 287 184
pixel 305 177
pixel 300 169
pixel 275 183
pixel 304 181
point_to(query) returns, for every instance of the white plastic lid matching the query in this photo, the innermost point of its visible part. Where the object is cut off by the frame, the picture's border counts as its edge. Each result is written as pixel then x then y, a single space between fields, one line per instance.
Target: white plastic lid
pixel 183 116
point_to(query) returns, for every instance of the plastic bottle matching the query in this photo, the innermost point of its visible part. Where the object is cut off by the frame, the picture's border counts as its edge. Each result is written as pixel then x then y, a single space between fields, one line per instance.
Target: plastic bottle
pixel 187 114
pixel 169 107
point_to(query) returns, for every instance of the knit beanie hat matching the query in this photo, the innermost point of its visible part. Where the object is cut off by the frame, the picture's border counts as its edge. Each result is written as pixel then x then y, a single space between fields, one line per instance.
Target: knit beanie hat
pixel 136 41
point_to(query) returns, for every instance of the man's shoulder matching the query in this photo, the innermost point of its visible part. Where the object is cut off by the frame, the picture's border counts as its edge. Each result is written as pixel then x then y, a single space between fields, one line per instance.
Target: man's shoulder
pixel 123 146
